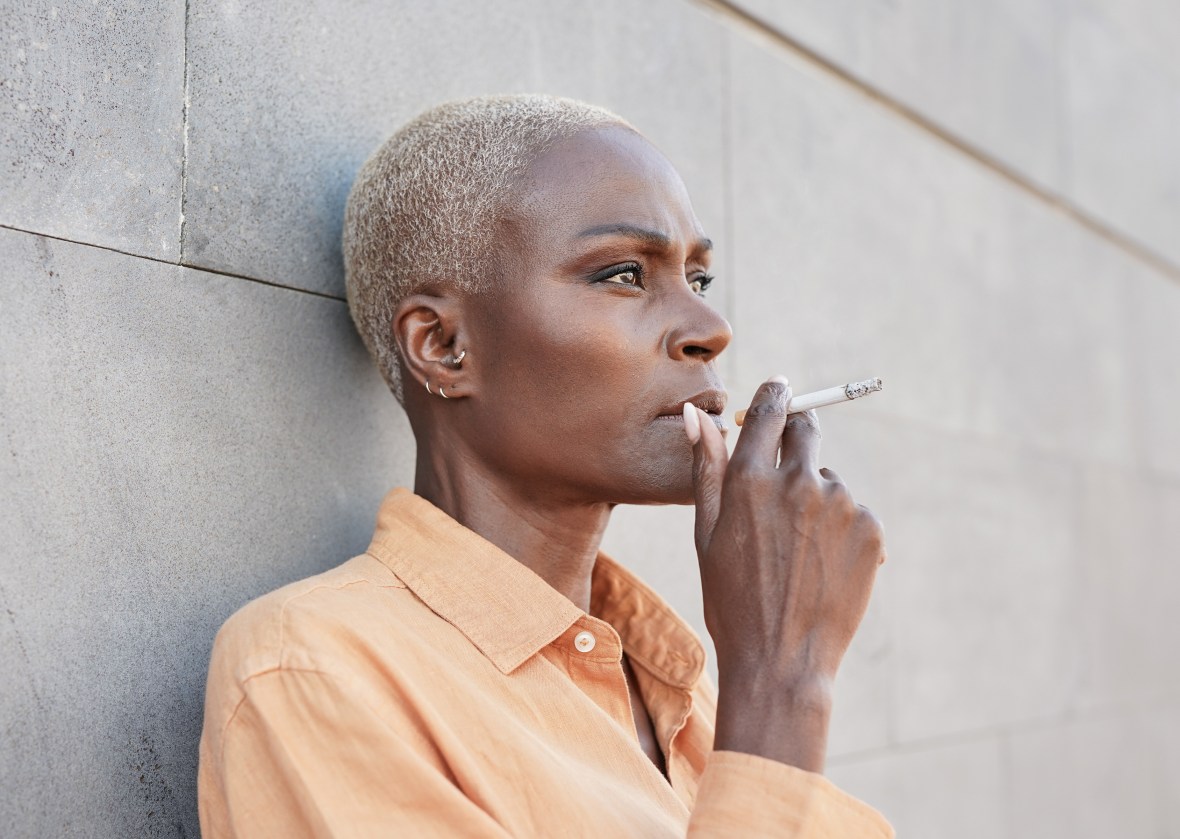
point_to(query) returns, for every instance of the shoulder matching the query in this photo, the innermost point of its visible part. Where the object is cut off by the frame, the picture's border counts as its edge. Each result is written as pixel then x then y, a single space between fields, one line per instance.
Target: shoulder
pixel 307 625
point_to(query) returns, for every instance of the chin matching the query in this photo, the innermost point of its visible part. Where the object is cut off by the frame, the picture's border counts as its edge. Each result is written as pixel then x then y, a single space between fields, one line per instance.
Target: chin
pixel 680 494
pixel 669 485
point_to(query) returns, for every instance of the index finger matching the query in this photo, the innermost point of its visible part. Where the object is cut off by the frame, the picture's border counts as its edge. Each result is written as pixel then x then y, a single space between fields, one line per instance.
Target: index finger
pixel 762 430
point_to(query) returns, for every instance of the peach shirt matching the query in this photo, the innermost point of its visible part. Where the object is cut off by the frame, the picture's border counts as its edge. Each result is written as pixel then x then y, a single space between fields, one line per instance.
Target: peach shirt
pixel 434 686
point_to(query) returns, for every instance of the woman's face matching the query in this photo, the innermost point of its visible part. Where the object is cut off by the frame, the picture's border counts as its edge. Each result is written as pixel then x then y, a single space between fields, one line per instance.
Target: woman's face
pixel 594 333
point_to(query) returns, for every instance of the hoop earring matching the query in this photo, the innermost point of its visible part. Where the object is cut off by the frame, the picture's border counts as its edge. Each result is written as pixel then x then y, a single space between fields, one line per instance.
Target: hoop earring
pixel 428 390
pixel 442 391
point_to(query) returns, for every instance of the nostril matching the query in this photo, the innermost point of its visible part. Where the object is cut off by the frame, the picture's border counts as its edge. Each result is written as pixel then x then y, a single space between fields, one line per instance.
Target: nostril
pixel 695 350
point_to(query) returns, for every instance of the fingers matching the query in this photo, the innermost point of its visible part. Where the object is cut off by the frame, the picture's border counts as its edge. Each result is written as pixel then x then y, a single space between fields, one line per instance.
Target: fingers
pixel 801 442
pixel 762 429
pixel 709 460
pixel 876 531
pixel 829 475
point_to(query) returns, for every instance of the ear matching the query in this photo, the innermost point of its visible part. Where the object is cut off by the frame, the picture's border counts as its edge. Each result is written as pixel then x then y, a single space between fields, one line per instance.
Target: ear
pixel 428 328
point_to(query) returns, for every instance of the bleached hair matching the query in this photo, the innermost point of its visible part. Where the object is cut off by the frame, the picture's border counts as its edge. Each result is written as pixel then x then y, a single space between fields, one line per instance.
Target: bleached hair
pixel 424 206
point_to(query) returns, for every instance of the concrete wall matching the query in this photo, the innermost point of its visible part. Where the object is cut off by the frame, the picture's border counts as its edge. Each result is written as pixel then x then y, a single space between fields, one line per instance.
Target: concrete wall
pixel 978 201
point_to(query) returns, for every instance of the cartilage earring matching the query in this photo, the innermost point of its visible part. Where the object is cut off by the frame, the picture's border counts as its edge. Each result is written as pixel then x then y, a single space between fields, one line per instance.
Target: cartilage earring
pixel 454 360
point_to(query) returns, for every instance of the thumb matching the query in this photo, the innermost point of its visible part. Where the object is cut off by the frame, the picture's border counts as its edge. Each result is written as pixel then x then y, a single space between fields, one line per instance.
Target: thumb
pixel 709 460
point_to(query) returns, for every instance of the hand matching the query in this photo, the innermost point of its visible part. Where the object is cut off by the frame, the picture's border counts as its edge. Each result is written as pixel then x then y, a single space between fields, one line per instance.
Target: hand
pixel 787 561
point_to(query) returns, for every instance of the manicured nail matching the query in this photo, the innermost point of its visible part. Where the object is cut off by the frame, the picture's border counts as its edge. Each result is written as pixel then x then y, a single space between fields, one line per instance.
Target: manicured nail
pixel 692 423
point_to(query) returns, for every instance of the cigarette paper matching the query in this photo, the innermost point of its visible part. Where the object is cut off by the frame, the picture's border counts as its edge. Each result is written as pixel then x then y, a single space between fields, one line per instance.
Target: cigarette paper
pixel 820 398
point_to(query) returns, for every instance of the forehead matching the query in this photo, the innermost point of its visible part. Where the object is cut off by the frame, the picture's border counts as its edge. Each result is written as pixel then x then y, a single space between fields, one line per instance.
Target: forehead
pixel 601 177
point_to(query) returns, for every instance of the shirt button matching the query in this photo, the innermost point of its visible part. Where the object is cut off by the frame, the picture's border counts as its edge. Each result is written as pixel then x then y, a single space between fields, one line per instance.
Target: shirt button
pixel 584 642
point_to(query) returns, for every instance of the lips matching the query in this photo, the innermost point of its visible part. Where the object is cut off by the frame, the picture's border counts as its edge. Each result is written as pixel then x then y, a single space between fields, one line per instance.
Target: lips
pixel 710 401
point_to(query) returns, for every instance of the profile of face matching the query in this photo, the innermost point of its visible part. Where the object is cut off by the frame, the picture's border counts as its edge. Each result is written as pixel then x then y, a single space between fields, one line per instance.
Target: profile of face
pixel 593 333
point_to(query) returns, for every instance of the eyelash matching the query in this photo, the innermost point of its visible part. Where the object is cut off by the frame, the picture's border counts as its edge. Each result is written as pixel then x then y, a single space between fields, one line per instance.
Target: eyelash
pixel 704 279
pixel 629 268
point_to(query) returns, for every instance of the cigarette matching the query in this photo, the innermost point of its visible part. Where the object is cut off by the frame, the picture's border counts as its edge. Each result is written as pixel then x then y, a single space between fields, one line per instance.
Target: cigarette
pixel 829 396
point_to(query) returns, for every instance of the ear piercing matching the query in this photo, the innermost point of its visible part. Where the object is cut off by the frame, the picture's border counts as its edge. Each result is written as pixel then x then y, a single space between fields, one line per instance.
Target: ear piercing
pixel 440 390
pixel 453 361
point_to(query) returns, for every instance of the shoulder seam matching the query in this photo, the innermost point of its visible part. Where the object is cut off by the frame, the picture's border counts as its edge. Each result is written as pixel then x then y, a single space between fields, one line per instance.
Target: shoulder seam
pixel 238 706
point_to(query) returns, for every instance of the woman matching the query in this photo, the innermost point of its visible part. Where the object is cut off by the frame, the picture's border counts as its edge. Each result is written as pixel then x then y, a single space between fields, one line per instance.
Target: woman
pixel 528 274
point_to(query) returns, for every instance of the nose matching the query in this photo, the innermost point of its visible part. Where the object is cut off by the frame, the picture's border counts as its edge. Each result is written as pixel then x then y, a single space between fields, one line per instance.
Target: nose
pixel 701 334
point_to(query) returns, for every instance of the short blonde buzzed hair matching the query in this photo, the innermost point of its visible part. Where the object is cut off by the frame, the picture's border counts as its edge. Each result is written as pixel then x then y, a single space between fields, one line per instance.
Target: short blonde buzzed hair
pixel 424 206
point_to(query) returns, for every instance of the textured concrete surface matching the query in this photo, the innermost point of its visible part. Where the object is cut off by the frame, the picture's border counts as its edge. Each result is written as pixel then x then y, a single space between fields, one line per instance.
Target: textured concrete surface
pixel 1156 346
pixel 955 790
pixel 979 594
pixel 1123 128
pixel 859 229
pixel 996 83
pixel 91 122
pixel 175 444
pixel 1082 97
pixel 1089 779
pixel 266 185
pixel 1126 564
pixel 179 441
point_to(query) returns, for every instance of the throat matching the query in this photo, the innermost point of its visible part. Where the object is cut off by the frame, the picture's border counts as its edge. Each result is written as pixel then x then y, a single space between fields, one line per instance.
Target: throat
pixel 558 540
pixel 645 730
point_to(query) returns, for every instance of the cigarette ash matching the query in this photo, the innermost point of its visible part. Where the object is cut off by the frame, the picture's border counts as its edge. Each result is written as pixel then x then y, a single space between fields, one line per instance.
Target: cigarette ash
pixel 856 390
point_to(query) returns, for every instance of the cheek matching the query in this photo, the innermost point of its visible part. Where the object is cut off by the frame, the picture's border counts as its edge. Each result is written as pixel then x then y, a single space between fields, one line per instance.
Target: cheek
pixel 570 398
pixel 575 368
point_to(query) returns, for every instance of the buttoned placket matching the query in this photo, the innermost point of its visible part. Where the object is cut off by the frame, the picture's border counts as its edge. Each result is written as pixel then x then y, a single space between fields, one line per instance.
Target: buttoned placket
pixel 595 654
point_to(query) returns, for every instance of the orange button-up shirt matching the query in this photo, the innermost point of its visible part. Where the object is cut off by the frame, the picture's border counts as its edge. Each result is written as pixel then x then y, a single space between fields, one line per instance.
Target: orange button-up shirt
pixel 434 686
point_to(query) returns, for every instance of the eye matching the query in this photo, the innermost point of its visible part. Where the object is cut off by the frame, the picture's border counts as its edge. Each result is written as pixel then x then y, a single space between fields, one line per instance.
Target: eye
pixel 629 275
pixel 701 282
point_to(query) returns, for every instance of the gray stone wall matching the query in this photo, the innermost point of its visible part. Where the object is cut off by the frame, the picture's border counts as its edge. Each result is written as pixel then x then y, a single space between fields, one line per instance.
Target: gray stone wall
pixel 978 201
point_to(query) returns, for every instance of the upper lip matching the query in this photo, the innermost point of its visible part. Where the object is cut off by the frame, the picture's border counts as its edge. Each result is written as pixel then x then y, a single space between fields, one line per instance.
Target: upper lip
pixel 709 401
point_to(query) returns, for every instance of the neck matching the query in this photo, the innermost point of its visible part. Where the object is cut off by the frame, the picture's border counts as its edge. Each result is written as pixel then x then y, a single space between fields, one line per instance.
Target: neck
pixel 557 540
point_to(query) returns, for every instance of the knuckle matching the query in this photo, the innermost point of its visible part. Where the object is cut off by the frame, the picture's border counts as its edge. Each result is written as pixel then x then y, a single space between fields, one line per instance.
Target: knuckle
pixel 763 410
pixel 805 486
pixel 840 495
pixel 740 469
pixel 749 478
pixel 870 526
pixel 769 402
pixel 773 391
pixel 805 422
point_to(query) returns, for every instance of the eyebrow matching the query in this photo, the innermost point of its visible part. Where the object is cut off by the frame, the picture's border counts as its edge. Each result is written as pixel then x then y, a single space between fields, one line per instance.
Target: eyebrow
pixel 651 237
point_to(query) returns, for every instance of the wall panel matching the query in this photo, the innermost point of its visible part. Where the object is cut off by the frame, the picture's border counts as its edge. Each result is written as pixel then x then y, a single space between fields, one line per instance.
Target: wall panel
pixel 176 444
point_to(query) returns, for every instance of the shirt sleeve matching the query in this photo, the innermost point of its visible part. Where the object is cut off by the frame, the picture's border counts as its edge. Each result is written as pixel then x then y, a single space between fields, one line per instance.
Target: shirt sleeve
pixel 750 796
pixel 300 757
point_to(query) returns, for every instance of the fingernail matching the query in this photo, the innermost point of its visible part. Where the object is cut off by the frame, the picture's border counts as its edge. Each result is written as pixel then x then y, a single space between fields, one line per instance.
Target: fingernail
pixel 692 423
pixel 782 380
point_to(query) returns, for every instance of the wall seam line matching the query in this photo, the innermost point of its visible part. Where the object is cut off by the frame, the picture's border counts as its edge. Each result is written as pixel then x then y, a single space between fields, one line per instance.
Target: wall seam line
pixel 172 264
pixel 184 140
pixel 1125 242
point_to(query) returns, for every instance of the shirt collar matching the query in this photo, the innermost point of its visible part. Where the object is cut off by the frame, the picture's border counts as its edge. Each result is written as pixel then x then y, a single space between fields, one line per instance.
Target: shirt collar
pixel 509 612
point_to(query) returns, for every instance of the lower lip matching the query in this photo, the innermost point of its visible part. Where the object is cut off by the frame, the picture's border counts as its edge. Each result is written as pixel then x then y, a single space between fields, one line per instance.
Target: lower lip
pixel 718 420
